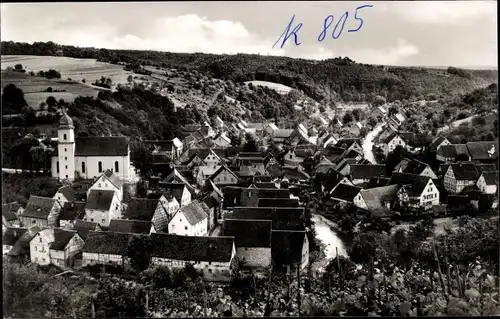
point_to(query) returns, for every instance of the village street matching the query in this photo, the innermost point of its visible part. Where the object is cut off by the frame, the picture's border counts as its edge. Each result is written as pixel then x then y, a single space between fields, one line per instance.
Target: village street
pixel 368 143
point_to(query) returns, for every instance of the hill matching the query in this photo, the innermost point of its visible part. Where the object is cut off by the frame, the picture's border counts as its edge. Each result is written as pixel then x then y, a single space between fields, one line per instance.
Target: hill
pixel 332 80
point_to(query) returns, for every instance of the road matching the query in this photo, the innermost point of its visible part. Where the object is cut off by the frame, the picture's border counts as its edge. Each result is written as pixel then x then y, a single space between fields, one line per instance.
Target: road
pixel 368 143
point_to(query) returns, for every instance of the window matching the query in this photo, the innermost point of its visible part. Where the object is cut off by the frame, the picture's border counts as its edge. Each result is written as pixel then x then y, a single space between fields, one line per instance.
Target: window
pixel 34 222
pixel 209 262
pixel 66 166
pixel 99 166
pixel 57 168
pixel 36 259
pixel 65 149
pixel 91 219
pixel 103 220
pixel 116 166
pixel 106 185
pixel 40 238
pixel 210 270
pixel 65 158
pixel 99 185
pixel 185 227
pixel 83 167
pixel 36 248
pixel 291 156
pixel 65 137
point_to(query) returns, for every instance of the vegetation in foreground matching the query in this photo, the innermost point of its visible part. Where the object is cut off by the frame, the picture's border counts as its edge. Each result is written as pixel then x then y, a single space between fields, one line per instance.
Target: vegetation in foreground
pixel 400 274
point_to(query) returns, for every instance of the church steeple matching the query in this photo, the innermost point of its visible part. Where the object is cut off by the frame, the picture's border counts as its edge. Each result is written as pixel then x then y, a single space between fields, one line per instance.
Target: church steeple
pixel 65 122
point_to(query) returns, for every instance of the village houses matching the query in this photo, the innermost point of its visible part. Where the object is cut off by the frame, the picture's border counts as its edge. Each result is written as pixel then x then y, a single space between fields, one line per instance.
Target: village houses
pixel 190 220
pixel 102 206
pixel 55 246
pixel 41 211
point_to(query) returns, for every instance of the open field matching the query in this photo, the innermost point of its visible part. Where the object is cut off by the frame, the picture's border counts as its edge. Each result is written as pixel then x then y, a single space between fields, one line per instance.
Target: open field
pixel 280 88
pixel 34 88
pixel 76 69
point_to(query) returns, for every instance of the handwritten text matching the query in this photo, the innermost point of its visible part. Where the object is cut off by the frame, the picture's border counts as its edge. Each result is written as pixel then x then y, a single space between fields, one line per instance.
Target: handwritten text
pixel 335 33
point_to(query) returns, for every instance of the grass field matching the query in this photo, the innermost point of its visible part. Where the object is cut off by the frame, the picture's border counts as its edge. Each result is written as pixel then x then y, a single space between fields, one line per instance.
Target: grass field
pixel 34 88
pixel 280 88
pixel 76 69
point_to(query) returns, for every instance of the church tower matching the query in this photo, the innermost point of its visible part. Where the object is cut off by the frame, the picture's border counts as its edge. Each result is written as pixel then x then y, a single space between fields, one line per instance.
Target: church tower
pixel 66 148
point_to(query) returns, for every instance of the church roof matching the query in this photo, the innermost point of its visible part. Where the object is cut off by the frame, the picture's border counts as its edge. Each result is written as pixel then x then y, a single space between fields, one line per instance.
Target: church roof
pixel 101 146
pixel 65 121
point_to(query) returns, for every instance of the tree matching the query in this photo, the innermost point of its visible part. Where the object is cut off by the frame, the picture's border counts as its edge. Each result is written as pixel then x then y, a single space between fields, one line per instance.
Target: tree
pixel 252 143
pixel 51 101
pixel 348 117
pixel 139 249
pixel 378 100
pixel 364 246
pixel 141 189
pixel 130 79
pixel 13 98
pixel 393 110
pixel 394 158
pixel 83 81
pixel 18 67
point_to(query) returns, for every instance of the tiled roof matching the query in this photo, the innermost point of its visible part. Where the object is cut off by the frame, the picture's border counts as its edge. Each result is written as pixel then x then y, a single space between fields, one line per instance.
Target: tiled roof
pixel 362 171
pixel 248 233
pixel 415 167
pixel 347 142
pixel 113 179
pixel 486 168
pixel 285 218
pixel 61 238
pixel 375 197
pixel 278 202
pixel 452 150
pixel 72 211
pixel 192 248
pixel 39 207
pixel 286 248
pixel 220 169
pixel 83 227
pixel 408 137
pixel 345 192
pixel 194 212
pixel 102 146
pixel 68 192
pixel 141 209
pixel 293 172
pixel 130 226
pixel 22 246
pixel 465 171
pixel 7 213
pixel 483 150
pixel 415 184
pixel 105 242
pixel 176 189
pixel 491 178
pixel 265 185
pixel 65 121
pixel 99 199
pixel 435 143
pixel 12 235
pixel 282 133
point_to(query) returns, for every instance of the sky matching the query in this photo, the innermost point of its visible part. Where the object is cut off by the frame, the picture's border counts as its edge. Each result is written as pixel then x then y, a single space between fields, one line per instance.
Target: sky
pixel 409 33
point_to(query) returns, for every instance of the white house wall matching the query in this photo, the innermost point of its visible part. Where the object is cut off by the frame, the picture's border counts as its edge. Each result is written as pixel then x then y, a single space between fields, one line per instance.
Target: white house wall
pixel 101 259
pixel 254 257
pixel 104 184
pixel 108 162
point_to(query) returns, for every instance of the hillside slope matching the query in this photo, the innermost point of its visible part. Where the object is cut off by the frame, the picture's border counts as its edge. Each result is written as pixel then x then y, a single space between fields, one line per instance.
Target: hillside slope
pixel 339 79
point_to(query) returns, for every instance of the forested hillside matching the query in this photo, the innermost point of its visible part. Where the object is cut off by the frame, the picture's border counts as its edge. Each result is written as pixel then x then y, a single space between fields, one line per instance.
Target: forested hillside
pixel 339 79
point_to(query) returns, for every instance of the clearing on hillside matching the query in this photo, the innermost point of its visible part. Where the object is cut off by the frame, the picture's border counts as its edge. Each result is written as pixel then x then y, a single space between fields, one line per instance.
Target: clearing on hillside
pixel 280 88
pixel 35 87
pixel 76 69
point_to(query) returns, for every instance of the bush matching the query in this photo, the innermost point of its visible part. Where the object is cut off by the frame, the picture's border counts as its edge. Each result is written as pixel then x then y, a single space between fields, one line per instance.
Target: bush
pixel 158 277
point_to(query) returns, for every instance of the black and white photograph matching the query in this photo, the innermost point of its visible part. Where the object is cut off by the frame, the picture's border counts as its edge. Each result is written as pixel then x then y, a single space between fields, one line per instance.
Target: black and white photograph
pixel 249 159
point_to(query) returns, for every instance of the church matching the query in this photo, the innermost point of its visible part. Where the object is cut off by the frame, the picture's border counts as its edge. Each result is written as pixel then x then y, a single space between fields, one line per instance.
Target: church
pixel 88 157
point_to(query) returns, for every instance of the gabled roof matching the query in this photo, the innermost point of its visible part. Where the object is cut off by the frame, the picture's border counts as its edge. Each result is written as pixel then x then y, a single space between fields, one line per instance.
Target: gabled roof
pixel 100 199
pixel 408 137
pixel 375 197
pixel 284 218
pixel 248 233
pixel 102 146
pixel 436 142
pixel 491 178
pixel 348 142
pixel 220 169
pixel 192 248
pixel 130 226
pixel 113 179
pixel 22 246
pixel 344 192
pixel 363 171
pixel 278 202
pixel 106 242
pixel 61 238
pixel 176 176
pixel 304 150
pixel 282 133
pixel 141 209
pixel 483 150
pixel 286 248
pixel 452 150
pixel 72 211
pixel 194 212
pixel 83 227
pixel 68 192
pixel 39 207
pixel 7 213
pixel 12 235
pixel 417 183
pixel 465 171
pixel 415 167
pixel 176 189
